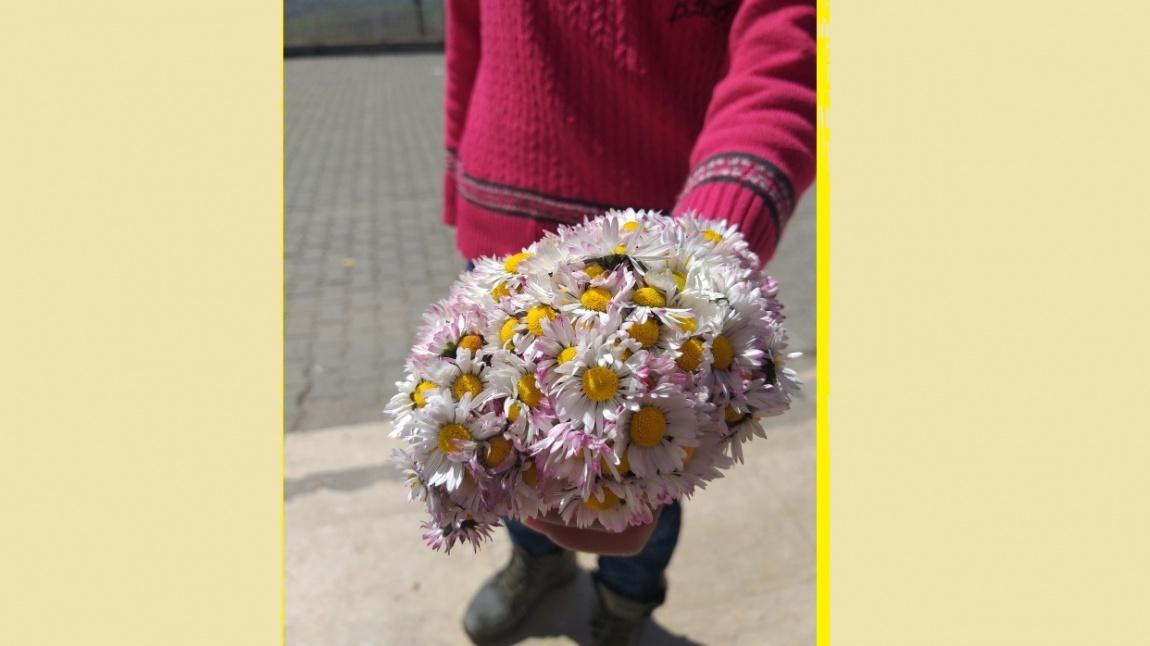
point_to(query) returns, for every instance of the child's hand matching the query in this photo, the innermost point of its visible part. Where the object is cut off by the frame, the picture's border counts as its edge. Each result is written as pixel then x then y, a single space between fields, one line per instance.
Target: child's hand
pixel 594 539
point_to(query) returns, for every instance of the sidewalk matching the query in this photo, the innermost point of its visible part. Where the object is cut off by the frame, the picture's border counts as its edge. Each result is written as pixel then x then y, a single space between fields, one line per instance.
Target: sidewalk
pixel 357 572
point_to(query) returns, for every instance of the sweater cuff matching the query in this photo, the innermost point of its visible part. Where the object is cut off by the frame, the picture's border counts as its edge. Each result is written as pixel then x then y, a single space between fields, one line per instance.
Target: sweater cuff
pixel 745 190
pixel 449 189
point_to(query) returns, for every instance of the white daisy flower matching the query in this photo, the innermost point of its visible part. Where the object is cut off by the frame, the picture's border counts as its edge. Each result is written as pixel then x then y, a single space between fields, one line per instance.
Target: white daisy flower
pixel 594 299
pixel 649 300
pixel 557 345
pixel 646 330
pixel 593 386
pixel 653 431
pixel 446 438
pixel 780 381
pixel 412 395
pixel 701 464
pixel 743 421
pixel 735 354
pixel 487 282
pixel 405 463
pixel 513 264
pixel 480 487
pixel 514 412
pixel 548 255
pixel 526 405
pixel 622 233
pixel 713 240
pixel 658 370
pixel 451 525
pixel 692 354
pixel 675 275
pixel 532 321
pixel 450 336
pixel 571 453
pixel 497 453
pixel 528 497
pixel 614 505
pixel 466 375
pixel 507 328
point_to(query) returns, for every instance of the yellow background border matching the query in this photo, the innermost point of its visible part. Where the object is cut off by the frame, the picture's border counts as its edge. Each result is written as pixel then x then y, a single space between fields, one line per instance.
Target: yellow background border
pixel 989 339
pixel 140 161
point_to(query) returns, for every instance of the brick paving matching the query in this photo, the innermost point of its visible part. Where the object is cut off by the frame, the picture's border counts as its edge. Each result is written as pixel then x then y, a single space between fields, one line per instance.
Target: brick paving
pixel 365 250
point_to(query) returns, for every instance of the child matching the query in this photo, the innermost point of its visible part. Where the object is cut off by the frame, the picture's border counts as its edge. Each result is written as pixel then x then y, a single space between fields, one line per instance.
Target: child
pixel 557 109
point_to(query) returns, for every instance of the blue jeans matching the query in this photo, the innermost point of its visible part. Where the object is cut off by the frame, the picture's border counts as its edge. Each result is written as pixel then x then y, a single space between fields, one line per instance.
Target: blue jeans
pixel 639 577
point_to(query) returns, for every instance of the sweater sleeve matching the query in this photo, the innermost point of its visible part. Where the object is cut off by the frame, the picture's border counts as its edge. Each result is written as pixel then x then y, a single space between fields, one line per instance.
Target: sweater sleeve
pixel 461 56
pixel 756 150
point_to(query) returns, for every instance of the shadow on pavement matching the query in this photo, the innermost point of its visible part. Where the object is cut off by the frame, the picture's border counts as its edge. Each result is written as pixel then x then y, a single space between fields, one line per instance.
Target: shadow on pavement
pixel 343 480
pixel 567 612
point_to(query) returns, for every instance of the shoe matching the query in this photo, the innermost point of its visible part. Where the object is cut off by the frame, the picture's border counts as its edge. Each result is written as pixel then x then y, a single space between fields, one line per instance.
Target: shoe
pixel 617 620
pixel 504 600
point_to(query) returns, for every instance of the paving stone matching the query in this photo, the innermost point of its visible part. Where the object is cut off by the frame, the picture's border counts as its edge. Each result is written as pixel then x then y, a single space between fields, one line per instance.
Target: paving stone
pixel 363 176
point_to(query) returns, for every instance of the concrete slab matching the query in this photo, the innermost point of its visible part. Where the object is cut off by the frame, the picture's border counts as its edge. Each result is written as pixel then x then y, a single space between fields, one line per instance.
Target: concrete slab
pixel 358 573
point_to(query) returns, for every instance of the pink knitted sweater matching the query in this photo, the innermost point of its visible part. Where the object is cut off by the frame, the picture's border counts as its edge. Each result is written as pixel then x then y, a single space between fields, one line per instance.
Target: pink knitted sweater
pixel 558 109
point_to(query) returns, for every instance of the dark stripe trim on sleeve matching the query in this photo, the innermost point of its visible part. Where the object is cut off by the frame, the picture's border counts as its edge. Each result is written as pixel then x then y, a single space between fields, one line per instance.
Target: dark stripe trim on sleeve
pixel 752 172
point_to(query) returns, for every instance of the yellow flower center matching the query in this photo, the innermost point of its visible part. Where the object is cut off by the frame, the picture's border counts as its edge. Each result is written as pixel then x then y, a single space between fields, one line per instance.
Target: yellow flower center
pixel 418 397
pixel 680 280
pixel 721 349
pixel 713 236
pixel 529 392
pixel 512 263
pixel 508 330
pixel 466 383
pixel 731 415
pixel 594 270
pixel 648 426
pixel 500 291
pixel 450 435
pixel 688 453
pixel 620 249
pixel 472 342
pixel 649 297
pixel 600 384
pixel 631 226
pixel 566 355
pixel 606 500
pixel 646 333
pixel 596 298
pixel 512 412
pixel 498 448
pixel 691 355
pixel 531 475
pixel 535 317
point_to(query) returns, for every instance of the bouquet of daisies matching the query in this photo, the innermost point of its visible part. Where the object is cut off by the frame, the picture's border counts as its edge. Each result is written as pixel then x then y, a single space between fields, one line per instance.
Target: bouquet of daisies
pixel 608 369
